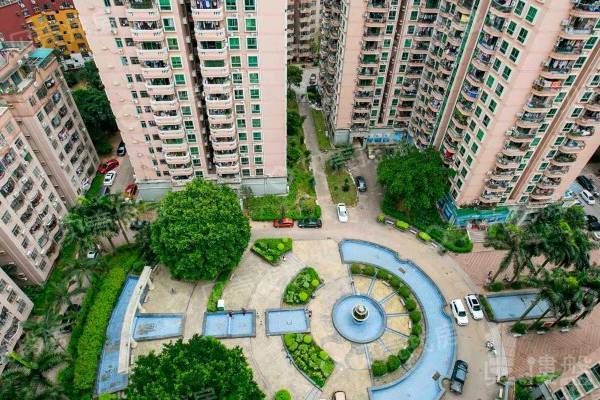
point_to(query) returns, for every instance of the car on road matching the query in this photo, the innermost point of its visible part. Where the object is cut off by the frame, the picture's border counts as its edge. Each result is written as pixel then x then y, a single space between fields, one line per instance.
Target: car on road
pixel 474 306
pixel 109 178
pixel 588 197
pixel 108 166
pixel 585 183
pixel 459 312
pixel 591 218
pixel 596 236
pixel 459 376
pixel 283 223
pixel 310 223
pixel 137 225
pixel 313 79
pixel 339 395
pixel 594 226
pixel 121 149
pixel 131 191
pixel 361 183
pixel 91 254
pixel 342 212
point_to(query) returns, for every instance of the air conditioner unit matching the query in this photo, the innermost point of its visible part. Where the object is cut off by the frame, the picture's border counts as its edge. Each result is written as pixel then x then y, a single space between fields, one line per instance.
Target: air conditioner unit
pixel 113 31
pixel 136 101
pixel 129 85
pixel 106 10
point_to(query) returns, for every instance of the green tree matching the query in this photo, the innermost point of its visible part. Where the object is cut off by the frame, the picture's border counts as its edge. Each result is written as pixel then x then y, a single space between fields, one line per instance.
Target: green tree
pixel 414 179
pixel 143 241
pixel 121 210
pixel 187 370
pixel 44 328
pixel 509 237
pixel 97 115
pixel 200 231
pixel 294 75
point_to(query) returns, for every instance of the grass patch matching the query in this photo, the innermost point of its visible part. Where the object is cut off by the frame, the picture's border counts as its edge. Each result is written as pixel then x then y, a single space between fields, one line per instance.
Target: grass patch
pixel 95 186
pixel 341 187
pixel 310 358
pixel 217 292
pixel 271 250
pixel 299 290
pixel 320 130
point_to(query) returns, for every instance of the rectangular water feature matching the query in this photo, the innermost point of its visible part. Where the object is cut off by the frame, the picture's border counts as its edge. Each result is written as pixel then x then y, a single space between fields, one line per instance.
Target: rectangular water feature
pixel 280 321
pixel 221 325
pixel 157 326
pixel 510 307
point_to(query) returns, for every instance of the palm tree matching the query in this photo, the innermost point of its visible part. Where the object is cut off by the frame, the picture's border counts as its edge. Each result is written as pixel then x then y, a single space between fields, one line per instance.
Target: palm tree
pixel 26 376
pixel 43 328
pixel 79 230
pixel 572 299
pixel 83 269
pixel 121 210
pixel 547 293
pixel 509 237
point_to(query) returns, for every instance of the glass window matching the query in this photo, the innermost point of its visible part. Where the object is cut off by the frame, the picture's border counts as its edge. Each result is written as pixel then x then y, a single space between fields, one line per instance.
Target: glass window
pixel 238 94
pixel 172 44
pixel 573 391
pixel 251 43
pixel 255 108
pixel 243 135
pixel 183 95
pixel 230 5
pixel 251 24
pixel 186 110
pixel 239 109
pixel 232 24
pixel 176 62
pixel 258 160
pixel 531 14
pixel 179 79
pixel 119 43
pixel 253 61
pixel 519 7
pixel 255 94
pixel 253 77
pixel 522 35
pixel 596 371
pixel 250 5
pixel 512 26
pixel 234 43
pixel 237 78
pixel 164 5
pixel 236 61
pixel 514 54
pixel 257 135
pixel 256 122
pixel 168 25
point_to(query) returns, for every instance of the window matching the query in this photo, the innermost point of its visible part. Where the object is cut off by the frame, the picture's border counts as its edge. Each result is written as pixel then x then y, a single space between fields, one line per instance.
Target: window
pixel 176 62
pixel 255 108
pixel 230 5
pixel 497 65
pixel 129 78
pixel 589 44
pixel 239 109
pixel 258 161
pixel 510 29
pixel 257 135
pixel 251 24
pixel 237 78
pixel 251 43
pixel 519 7
pixel 188 125
pixel 242 135
pixel 244 148
pixel 238 94
pixel 183 95
pixel 490 81
pixel 168 25
pixel 413 15
pixel 407 43
pixel 255 94
pixel 253 61
pixel 514 54
pixel 531 14
pixel 253 77
pixel 256 122
pixel 232 24
pixel 250 5
pixel 241 123
pixel 164 5
pixel 179 79
pixel 172 44
pixel 504 47
pixel 573 391
pixel 234 43
pixel 506 73
pixel 119 43
pixel 236 61
pixel 480 134
pixel 258 148
pixel 522 35
pixel 499 89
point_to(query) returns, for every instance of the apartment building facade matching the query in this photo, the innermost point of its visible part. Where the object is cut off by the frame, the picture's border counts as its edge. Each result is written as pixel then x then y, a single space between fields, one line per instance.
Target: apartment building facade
pixel 507 90
pixel 15 308
pixel 48 23
pixel 197 87
pixel 47 159
pixel 303 30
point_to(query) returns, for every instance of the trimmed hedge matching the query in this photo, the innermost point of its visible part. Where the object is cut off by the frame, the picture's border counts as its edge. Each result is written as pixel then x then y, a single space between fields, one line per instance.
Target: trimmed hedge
pixel 309 358
pixel 215 295
pixel 487 309
pixel 401 225
pixel 271 250
pixel 299 290
pixel 379 368
pixel 283 395
pixel 424 236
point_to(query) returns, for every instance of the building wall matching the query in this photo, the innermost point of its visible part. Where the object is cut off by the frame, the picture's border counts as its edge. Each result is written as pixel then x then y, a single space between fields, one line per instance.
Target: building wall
pixel 302 29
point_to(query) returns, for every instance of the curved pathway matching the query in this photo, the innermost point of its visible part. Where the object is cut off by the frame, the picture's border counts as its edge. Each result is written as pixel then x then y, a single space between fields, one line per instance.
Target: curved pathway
pixel 440 340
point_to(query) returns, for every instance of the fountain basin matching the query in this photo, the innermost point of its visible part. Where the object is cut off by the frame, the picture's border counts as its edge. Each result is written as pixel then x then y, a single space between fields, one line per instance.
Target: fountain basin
pixel 364 331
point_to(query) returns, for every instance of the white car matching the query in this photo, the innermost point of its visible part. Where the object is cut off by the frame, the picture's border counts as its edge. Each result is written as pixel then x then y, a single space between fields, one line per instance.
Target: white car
pixel 91 254
pixel 342 212
pixel 474 306
pixel 109 178
pixel 459 312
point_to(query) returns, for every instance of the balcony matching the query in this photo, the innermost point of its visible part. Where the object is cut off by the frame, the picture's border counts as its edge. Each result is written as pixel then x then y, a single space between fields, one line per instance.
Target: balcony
pixel 572 146
pixel 147 34
pixel 174 147
pixel 503 7
pixel 494 186
pixel 521 135
pixel 514 149
pixel 487 44
pixel 215 72
pixel 156 72
pixel 529 119
pixel 494 25
pixel 222 101
pixel 142 10
pixel 556 172
pixel 168 104
pixel 506 162
pixel 538 104
pixel 489 197
pixel 213 50
pixel 177 158
pixel 209 31
pixel 226 169
pixel 222 131
pixel 581 132
pixel 500 174
pixel 227 157
pixel 202 14
pixel 152 54
pixel 563 159
pixel 542 194
pixel 166 134
pixel 589 118
pixel 585 8
pixel 593 104
pixel 216 86
pixel 546 87
pixel 578 27
pixel 224 145
pixel 549 183
pixel 465 6
pixel 167 118
pixel 220 118
pixel 157 89
pixel 556 69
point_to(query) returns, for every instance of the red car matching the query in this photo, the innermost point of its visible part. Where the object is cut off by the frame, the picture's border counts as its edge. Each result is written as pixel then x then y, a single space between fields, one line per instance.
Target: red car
pixel 283 223
pixel 131 191
pixel 108 166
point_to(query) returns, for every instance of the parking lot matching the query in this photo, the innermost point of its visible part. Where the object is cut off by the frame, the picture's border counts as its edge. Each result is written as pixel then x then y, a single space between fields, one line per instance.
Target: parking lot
pixel 590 171
pixel 124 170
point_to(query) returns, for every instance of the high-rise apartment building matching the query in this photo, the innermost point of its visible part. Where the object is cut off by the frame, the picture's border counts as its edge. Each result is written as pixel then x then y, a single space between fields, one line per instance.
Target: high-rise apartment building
pixel 48 23
pixel 506 89
pixel 46 157
pixel 303 30
pixel 198 88
pixel 15 308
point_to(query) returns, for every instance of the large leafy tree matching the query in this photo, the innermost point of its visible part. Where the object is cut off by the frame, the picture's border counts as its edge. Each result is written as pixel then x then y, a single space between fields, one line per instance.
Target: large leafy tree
pixel 97 115
pixel 413 178
pixel 294 75
pixel 200 231
pixel 188 370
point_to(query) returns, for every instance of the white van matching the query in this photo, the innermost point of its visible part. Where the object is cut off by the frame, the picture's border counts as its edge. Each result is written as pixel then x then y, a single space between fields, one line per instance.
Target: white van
pixel 588 197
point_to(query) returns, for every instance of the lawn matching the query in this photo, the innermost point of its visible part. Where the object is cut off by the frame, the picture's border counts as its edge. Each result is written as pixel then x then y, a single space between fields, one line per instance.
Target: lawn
pixel 341 187
pixel 95 186
pixel 321 130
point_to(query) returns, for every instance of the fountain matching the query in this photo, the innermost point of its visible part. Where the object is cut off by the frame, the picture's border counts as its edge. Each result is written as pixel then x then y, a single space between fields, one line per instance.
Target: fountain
pixel 360 313
pixel 359 318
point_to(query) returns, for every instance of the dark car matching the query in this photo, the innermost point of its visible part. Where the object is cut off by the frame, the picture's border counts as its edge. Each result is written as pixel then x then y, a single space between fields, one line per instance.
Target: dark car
pixel 310 223
pixel 594 226
pixel 591 218
pixel 459 376
pixel 586 183
pixel 137 225
pixel 108 166
pixel 361 184
pixel 121 150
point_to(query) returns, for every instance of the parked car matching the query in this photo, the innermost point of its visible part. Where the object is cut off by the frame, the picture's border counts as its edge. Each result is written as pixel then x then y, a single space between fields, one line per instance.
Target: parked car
pixel 342 212
pixel 131 191
pixel 313 79
pixel 283 223
pixel 361 183
pixel 588 197
pixel 91 254
pixel 459 376
pixel 109 178
pixel 591 218
pixel 585 182
pixel 104 190
pixel 594 226
pixel 137 225
pixel 339 395
pixel 596 236
pixel 108 166
pixel 474 306
pixel 459 312
pixel 121 150
pixel 310 223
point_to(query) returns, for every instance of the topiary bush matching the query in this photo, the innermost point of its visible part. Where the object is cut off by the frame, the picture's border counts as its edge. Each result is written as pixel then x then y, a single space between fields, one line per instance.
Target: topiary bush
pixel 307 339
pixel 413 342
pixel 394 282
pixel 415 316
pixel 309 358
pixel 424 236
pixel 416 330
pixel 401 225
pixel 393 363
pixel 404 355
pixel 379 368
pixel 495 287
pixel 299 290
pixel 382 274
pixel 369 270
pixel 404 292
pixel 411 305
pixel 356 269
pixel 283 395
pixel 381 218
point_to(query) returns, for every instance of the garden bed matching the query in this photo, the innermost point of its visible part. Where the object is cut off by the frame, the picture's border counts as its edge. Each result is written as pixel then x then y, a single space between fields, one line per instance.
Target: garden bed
pixel 341 187
pixel 272 250
pixel 300 289
pixel 309 358
pixel 320 130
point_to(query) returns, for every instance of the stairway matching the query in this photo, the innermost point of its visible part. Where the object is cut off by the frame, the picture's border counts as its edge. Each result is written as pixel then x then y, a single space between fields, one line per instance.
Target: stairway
pixel 476 235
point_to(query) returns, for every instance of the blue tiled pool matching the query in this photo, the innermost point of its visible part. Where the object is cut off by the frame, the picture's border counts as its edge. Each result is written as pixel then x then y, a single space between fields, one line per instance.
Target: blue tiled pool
pixel 510 307
pixel 108 380
pixel 287 320
pixel 222 326
pixel 157 326
pixel 440 341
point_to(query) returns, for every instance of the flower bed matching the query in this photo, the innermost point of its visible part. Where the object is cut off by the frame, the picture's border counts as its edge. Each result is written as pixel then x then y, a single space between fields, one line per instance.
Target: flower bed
pixel 313 361
pixel 271 250
pixel 299 290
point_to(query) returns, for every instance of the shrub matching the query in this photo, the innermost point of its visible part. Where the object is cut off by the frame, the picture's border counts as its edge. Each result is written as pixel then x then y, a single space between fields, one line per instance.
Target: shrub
pixel 323 355
pixel 517 285
pixel 307 339
pixel 563 323
pixel 416 330
pixel 401 225
pixel 283 395
pixel 519 327
pixel 299 290
pixel 394 281
pixel 215 295
pixel 379 368
pixel 536 326
pixel 487 309
pixel 413 342
pixel 356 269
pixel 411 304
pixel 369 270
pixel 424 236
pixel 315 283
pixel 272 250
pixel 393 363
pixel 404 292
pixel 382 274
pixel 404 355
pixel 309 358
pixel 381 218
pixel 303 296
pixel 415 316
pixel 495 287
